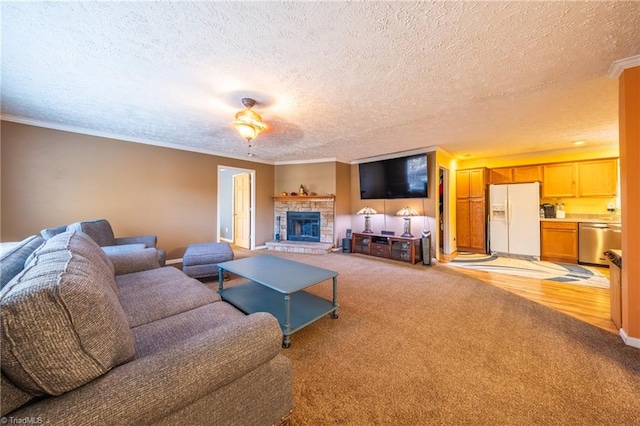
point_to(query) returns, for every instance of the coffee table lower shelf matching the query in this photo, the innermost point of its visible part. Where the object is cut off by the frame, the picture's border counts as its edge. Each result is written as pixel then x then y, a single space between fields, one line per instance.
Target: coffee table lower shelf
pixel 304 307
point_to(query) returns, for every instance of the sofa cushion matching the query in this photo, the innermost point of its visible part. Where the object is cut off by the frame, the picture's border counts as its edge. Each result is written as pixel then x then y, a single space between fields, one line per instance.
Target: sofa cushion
pixel 62 324
pixel 135 261
pixel 158 335
pixel 11 397
pixel 84 245
pixel 159 293
pixel 12 262
pixel 99 230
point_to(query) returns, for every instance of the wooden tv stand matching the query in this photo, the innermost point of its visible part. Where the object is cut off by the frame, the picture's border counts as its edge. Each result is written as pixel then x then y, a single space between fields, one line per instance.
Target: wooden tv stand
pixel 405 249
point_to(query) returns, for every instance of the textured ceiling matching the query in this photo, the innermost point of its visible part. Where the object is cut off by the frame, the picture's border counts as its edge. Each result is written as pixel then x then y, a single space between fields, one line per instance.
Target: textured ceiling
pixel 332 79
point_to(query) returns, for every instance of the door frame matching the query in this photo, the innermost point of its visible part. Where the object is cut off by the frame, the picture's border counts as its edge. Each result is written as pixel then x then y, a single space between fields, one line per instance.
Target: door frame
pixel 252 187
pixel 446 212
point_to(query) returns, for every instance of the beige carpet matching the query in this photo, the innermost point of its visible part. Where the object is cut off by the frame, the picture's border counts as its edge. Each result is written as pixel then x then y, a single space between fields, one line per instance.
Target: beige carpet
pixel 429 345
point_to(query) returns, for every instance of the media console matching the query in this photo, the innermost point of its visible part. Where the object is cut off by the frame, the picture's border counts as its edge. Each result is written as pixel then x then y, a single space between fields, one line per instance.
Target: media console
pixel 406 249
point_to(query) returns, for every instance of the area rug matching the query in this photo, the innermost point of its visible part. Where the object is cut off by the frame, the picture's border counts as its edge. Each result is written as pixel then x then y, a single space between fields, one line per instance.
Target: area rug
pixel 551 271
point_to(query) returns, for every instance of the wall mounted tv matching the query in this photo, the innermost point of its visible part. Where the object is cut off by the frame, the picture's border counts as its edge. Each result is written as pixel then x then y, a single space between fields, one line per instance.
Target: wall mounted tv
pixel 404 177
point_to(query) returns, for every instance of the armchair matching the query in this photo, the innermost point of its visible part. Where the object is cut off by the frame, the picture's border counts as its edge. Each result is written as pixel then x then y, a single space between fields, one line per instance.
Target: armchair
pixel 101 232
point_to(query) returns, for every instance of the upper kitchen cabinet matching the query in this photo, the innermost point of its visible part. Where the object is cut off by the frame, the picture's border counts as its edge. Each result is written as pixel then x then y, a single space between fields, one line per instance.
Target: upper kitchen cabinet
pixel 523 174
pixel 598 178
pixel 518 174
pixel 471 183
pixel 559 180
pixel 501 175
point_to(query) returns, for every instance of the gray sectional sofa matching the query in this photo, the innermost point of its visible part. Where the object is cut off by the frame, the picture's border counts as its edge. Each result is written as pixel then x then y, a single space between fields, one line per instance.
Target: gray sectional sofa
pixel 101 232
pixel 89 339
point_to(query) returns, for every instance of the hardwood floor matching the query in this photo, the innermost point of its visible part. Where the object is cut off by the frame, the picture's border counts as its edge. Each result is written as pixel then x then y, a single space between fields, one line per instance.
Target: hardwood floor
pixel 587 304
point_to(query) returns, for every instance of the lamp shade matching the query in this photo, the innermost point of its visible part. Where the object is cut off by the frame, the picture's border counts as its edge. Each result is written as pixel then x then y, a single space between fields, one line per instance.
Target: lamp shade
pixel 367 211
pixel 407 211
pixel 248 122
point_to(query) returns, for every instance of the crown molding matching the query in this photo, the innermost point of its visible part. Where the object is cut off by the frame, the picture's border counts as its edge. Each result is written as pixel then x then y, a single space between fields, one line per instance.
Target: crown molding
pixel 317 160
pixel 617 67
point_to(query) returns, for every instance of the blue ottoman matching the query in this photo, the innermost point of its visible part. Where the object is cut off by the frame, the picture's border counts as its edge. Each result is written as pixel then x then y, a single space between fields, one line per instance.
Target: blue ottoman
pixel 201 260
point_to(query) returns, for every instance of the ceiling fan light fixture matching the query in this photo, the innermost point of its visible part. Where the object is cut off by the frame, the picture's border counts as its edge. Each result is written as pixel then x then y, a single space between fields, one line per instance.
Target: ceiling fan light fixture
pixel 248 122
pixel 246 130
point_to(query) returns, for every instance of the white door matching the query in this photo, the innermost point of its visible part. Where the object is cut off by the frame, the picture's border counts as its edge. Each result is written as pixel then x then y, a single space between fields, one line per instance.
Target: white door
pixel 242 210
pixel 498 219
pixel 524 222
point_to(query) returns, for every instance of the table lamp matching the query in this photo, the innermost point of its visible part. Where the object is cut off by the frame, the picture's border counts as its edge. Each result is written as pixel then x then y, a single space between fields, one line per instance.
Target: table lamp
pixel 367 212
pixel 407 212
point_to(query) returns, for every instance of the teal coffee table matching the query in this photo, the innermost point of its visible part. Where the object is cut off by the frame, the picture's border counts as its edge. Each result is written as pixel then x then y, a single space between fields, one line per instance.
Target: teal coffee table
pixel 277 286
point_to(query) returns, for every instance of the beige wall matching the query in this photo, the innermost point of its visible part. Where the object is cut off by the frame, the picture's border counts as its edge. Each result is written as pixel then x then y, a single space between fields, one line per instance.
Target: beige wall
pixel 52 177
pixel 343 201
pixel 315 177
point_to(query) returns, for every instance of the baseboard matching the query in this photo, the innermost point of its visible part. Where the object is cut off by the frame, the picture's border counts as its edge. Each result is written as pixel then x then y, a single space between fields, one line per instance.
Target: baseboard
pixel 630 341
pixel 173 261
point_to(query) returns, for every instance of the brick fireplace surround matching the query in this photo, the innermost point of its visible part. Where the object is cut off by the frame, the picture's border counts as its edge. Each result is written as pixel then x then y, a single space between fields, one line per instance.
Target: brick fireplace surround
pixel 323 204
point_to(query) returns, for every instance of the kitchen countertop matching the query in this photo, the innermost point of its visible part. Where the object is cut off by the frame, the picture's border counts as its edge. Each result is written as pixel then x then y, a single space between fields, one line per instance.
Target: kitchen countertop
pixel 585 219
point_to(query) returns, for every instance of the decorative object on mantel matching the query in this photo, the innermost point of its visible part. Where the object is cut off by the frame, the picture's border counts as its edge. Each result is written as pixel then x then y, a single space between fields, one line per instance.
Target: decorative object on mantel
pixel 407 212
pixel 367 212
pixel 301 191
pixel 249 123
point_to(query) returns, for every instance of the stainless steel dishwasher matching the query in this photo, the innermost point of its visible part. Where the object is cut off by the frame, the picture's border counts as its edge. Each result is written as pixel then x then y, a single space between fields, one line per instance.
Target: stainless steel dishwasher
pixel 596 238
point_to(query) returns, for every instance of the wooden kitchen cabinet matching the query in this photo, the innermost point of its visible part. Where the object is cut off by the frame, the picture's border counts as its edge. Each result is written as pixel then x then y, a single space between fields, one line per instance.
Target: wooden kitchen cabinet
pixel 471 211
pixel 471 183
pixel 518 174
pixel 559 180
pixel 501 175
pixel 559 241
pixel 463 228
pixel 589 178
pixel 598 178
pixel 523 174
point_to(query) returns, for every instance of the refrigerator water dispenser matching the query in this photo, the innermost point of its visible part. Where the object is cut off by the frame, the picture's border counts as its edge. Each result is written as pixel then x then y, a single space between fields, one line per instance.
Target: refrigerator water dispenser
pixel 498 212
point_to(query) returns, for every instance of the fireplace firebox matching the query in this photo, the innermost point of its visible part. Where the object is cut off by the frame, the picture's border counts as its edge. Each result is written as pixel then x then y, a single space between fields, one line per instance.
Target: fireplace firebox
pixel 303 226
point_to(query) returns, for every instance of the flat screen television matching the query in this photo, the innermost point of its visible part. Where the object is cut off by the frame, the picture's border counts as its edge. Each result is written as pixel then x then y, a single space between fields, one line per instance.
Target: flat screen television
pixel 404 177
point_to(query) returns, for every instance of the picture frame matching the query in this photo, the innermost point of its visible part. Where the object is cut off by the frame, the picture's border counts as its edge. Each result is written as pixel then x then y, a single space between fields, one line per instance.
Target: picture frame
pixel 349 233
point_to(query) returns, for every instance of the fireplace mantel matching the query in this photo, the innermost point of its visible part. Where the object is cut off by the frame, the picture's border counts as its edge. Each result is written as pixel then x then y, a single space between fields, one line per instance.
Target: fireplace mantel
pixel 304 198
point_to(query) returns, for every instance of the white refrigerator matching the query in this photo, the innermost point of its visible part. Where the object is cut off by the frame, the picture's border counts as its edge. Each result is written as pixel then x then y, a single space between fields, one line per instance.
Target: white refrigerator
pixel 514 220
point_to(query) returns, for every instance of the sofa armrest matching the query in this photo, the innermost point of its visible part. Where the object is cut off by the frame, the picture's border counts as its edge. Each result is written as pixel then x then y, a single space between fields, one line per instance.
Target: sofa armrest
pixel 147 240
pixel 135 261
pixel 123 249
pixel 145 390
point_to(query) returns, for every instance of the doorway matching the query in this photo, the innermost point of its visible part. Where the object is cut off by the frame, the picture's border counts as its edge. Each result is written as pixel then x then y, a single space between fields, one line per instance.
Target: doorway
pixel 444 212
pixel 236 198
